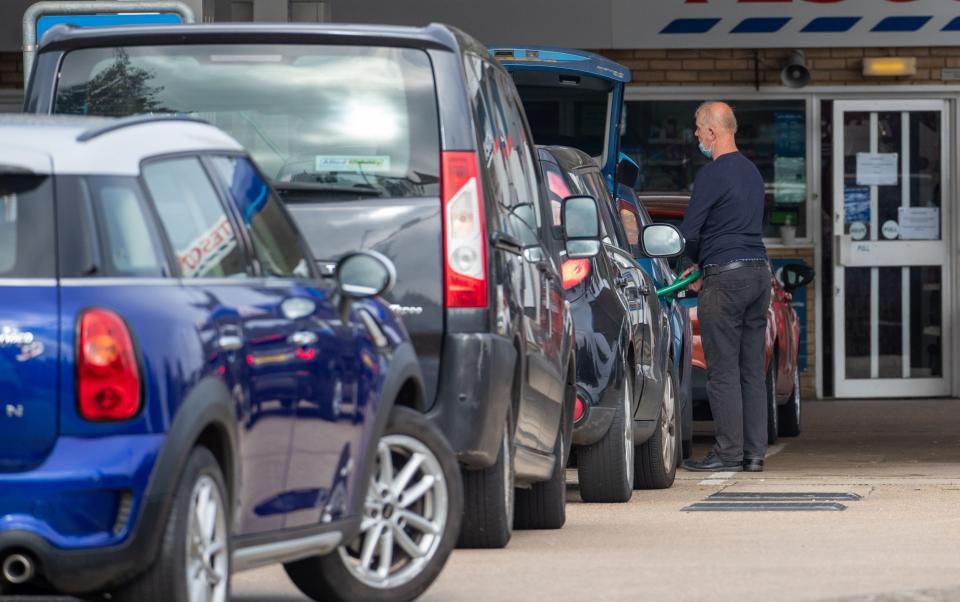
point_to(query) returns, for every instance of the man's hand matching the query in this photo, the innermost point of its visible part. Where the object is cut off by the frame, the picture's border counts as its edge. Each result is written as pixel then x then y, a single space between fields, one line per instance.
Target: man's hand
pixel 696 284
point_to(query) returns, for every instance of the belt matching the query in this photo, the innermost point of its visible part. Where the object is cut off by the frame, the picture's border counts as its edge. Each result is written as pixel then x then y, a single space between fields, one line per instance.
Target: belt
pixel 713 270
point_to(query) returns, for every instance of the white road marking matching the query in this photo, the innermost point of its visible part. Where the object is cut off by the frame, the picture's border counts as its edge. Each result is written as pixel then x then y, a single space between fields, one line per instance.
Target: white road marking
pixel 717 478
pixel 775 449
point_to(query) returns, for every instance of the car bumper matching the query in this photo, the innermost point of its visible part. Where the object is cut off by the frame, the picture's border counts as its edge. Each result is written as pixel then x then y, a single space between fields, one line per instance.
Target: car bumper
pixel 473 396
pixel 85 526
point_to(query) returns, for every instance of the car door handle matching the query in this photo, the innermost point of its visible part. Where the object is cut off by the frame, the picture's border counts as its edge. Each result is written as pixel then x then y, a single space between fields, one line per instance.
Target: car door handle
pixel 303 338
pixel 544 268
pixel 623 281
pixel 230 342
pixel 505 242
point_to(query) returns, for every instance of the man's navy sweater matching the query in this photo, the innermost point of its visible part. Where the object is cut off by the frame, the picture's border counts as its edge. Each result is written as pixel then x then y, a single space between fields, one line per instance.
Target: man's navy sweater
pixel 724 221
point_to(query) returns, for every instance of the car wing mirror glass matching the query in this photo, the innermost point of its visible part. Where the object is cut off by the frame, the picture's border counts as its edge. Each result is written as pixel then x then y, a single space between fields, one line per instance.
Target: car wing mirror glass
pixel 365 274
pixel 581 226
pixel 662 240
pixel 796 275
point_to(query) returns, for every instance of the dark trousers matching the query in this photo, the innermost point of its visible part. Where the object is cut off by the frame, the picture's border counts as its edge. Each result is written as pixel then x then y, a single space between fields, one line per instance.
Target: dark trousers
pixel 733 322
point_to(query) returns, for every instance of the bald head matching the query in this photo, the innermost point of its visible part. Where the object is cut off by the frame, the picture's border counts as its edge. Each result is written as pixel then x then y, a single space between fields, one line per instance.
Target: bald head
pixel 717 116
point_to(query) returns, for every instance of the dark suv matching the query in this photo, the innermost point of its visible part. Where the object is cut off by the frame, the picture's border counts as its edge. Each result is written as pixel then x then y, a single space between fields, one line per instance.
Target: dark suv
pixel 627 417
pixel 410 141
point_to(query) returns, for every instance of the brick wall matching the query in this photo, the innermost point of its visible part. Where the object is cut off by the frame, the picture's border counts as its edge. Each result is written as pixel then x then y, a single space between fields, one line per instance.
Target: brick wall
pixel 732 67
pixel 11 70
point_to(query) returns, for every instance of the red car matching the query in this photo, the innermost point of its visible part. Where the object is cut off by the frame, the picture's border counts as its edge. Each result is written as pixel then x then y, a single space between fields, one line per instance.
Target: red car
pixel 783 334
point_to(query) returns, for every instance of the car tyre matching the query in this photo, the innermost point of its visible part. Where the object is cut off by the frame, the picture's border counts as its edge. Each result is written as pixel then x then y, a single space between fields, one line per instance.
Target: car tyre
pixel 789 421
pixel 657 460
pixel 411 521
pixel 773 417
pixel 605 469
pixel 193 563
pixel 488 500
pixel 544 505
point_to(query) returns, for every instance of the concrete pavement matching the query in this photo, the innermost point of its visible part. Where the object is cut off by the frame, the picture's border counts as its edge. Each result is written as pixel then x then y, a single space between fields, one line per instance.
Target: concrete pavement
pixel 898 543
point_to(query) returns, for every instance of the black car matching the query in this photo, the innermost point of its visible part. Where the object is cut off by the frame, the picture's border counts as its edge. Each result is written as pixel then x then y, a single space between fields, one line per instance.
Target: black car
pixel 627 414
pixel 409 141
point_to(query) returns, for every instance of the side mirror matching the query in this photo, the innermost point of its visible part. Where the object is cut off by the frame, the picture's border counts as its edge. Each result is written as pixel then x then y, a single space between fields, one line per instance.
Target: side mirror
pixel 365 274
pixel 662 240
pixel 796 275
pixel 581 226
pixel 628 172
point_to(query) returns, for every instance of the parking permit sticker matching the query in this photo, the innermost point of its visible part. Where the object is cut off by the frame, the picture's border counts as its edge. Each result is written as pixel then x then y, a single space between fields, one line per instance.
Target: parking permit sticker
pixel 858 230
pixel 355 163
pixel 890 230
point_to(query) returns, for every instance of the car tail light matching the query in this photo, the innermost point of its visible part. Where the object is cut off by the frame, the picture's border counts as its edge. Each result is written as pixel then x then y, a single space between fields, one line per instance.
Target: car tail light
pixel 573 272
pixel 108 378
pixel 464 231
pixel 579 409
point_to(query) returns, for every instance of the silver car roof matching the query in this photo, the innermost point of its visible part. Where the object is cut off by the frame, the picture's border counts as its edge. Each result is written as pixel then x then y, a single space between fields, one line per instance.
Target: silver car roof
pixel 100 146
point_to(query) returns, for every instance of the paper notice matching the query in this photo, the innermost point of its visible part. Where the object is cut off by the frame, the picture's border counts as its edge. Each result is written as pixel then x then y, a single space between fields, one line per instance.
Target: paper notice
pixel 876 169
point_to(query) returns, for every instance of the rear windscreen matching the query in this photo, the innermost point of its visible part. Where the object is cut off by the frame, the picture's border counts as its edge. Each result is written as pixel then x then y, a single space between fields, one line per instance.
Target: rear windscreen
pixel 27 248
pixel 337 117
pixel 566 110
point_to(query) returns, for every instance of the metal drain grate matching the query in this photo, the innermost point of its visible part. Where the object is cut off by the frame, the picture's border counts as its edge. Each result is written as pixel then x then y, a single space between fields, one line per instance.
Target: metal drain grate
pixel 765 507
pixel 749 501
pixel 780 496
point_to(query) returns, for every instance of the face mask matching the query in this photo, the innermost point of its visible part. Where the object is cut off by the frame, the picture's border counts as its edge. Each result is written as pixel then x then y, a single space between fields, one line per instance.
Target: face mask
pixel 706 151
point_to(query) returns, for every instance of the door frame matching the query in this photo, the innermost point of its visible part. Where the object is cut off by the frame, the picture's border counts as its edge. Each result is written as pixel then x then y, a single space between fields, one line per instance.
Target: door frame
pixel 937 253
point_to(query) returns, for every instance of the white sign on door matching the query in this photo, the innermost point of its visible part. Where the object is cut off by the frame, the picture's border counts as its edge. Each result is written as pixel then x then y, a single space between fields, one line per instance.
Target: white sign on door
pixel 876 169
pixel 919 223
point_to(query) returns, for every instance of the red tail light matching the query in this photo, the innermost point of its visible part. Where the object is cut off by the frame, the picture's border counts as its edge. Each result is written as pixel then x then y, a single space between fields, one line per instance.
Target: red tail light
pixel 464 231
pixel 573 272
pixel 579 409
pixel 108 379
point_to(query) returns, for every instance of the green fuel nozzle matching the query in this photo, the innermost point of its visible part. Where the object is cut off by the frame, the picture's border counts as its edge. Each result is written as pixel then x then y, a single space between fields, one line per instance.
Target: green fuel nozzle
pixel 679 284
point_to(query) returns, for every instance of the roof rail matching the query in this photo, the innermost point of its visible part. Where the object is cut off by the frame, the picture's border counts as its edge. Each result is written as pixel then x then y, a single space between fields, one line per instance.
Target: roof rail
pixel 94 132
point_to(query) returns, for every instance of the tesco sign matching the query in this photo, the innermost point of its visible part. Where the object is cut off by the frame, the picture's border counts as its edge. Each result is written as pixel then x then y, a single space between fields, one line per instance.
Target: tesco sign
pixel 785 23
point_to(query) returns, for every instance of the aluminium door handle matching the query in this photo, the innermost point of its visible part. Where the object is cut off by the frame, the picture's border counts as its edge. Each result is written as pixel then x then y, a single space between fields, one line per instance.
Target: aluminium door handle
pixel 623 281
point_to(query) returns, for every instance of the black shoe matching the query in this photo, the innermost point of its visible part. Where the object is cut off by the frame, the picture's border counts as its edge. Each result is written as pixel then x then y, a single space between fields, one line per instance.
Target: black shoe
pixel 753 465
pixel 712 463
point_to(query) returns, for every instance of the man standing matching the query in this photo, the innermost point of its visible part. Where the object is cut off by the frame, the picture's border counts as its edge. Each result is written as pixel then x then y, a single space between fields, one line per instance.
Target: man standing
pixel 724 228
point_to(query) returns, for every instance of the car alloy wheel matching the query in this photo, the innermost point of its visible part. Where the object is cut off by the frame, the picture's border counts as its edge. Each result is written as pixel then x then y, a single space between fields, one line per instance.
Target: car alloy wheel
pixel 668 425
pixel 628 428
pixel 206 559
pixel 404 518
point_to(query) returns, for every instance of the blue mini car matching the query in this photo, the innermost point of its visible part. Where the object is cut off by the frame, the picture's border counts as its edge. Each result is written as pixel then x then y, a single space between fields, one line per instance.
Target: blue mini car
pixel 183 396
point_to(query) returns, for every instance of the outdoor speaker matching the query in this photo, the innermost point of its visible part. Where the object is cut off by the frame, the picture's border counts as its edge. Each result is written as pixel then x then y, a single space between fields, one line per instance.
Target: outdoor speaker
pixel 794 73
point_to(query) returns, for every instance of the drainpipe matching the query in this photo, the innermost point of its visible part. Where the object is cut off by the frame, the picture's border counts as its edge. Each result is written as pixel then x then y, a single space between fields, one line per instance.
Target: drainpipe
pixel 35 11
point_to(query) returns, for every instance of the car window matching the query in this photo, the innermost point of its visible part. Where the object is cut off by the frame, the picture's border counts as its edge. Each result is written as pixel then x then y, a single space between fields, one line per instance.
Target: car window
pixel 631 227
pixel 557 189
pixel 199 230
pixel 126 241
pixel 276 241
pixel 521 216
pixel 27 248
pixel 301 110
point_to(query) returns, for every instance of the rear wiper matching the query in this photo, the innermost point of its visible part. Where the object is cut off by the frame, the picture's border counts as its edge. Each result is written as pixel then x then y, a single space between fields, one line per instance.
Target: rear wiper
pixel 287 187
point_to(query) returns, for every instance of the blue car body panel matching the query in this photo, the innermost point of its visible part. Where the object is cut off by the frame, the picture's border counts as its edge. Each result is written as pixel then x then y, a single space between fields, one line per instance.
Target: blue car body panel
pixel 582 63
pixel 89 499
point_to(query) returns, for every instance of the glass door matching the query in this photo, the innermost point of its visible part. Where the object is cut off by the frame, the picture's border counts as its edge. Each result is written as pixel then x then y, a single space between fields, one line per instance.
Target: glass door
pixel 892 232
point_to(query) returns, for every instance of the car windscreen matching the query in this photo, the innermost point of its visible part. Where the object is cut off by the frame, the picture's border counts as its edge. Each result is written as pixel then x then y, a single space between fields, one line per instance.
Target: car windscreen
pixel 27 246
pixel 566 110
pixel 357 120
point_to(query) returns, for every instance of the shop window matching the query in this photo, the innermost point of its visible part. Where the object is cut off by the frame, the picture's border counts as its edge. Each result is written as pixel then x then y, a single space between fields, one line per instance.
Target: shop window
pixel 659 135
